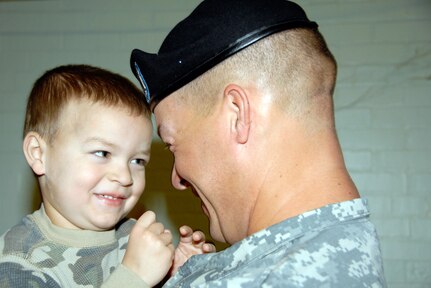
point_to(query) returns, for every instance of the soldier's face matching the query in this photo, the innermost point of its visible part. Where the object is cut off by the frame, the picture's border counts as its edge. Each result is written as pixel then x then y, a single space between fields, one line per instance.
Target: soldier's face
pixel 203 162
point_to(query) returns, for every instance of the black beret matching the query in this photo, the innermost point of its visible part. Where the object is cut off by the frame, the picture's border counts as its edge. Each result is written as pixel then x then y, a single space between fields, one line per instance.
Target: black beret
pixel 215 30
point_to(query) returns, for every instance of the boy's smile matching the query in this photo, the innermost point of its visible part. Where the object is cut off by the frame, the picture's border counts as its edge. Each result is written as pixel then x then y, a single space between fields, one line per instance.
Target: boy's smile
pixel 111 199
pixel 95 166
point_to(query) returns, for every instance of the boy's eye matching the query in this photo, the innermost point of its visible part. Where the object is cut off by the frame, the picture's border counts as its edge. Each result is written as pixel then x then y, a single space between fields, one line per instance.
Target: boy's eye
pixel 140 162
pixel 102 154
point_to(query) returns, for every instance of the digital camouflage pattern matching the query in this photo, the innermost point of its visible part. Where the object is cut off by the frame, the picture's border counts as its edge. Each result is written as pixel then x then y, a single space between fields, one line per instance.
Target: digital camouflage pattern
pixel 334 246
pixel 35 253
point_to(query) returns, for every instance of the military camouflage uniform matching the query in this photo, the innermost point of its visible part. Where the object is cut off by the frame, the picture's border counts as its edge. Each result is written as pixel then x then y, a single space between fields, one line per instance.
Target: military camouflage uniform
pixel 35 253
pixel 334 246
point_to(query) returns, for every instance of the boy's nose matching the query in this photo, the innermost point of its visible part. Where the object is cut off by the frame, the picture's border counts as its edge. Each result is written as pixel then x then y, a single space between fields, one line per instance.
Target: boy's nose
pixel 122 175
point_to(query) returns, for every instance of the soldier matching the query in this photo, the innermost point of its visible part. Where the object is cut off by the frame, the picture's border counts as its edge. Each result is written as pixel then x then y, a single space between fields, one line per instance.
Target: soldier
pixel 242 95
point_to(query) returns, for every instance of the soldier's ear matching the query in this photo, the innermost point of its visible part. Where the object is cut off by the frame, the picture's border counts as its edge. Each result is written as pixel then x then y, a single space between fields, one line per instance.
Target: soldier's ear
pixel 34 147
pixel 238 102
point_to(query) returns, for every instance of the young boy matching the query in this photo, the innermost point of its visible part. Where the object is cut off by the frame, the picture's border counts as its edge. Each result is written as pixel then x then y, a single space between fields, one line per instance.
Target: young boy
pixel 87 138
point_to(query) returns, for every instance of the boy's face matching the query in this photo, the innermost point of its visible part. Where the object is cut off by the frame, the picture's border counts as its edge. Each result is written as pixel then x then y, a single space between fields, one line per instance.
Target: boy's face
pixel 95 166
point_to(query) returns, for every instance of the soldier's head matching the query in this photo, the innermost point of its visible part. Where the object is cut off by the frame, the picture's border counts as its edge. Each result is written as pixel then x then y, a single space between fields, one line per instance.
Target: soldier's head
pixel 222 65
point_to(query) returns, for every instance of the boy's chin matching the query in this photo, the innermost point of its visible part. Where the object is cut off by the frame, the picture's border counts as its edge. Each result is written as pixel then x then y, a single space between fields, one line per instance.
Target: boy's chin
pixel 104 224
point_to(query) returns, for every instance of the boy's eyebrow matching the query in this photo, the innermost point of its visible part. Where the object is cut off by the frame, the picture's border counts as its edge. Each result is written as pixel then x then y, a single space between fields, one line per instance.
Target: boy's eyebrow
pixel 110 144
pixel 100 140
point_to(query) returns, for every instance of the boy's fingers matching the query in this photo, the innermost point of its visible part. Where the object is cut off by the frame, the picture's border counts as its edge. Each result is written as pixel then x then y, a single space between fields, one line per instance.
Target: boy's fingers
pixel 146 219
pixel 172 248
pixel 166 237
pixel 157 228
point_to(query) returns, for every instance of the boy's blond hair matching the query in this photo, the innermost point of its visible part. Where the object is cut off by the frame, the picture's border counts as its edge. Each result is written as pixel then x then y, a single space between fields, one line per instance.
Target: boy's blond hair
pixel 60 85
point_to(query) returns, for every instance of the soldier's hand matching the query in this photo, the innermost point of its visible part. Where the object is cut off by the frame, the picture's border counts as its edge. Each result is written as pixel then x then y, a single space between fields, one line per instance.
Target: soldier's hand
pixel 191 243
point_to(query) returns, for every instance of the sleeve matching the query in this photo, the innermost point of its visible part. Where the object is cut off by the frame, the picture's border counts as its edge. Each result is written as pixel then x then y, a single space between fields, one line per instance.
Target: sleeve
pixel 123 275
pixel 15 275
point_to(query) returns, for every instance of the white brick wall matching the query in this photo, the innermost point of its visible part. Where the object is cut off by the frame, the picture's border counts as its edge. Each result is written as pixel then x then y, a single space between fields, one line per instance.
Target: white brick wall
pixel 383 104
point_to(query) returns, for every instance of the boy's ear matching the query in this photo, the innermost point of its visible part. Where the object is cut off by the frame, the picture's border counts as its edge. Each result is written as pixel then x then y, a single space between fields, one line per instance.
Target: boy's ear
pixel 34 148
pixel 238 102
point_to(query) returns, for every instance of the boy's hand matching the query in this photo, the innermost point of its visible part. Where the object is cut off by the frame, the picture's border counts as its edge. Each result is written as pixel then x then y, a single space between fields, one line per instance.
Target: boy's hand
pixel 191 243
pixel 150 250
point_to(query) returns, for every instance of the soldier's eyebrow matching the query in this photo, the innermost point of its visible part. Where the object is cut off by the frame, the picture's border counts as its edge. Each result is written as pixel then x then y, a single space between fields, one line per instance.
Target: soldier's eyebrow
pixel 159 130
pixel 162 130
